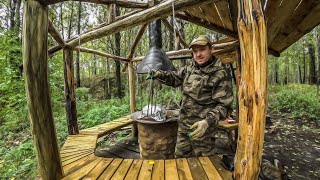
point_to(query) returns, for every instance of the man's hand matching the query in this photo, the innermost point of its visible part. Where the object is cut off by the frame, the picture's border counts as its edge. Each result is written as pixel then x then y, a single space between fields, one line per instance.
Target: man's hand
pixel 152 74
pixel 201 127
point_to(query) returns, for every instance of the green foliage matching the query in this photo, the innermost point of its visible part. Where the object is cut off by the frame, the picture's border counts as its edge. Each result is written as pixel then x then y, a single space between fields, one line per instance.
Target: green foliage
pixel 301 101
pixel 102 111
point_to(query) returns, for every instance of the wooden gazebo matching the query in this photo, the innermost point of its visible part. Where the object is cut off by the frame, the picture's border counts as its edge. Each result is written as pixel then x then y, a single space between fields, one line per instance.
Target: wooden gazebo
pixel 254 27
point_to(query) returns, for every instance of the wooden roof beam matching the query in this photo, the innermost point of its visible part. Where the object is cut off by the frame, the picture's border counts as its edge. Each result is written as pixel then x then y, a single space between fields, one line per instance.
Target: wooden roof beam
pixel 233 7
pixel 55 34
pixel 278 14
pixel 171 28
pixel 159 11
pixel 54 49
pixel 207 25
pixel 120 3
pixel 103 54
pixel 189 51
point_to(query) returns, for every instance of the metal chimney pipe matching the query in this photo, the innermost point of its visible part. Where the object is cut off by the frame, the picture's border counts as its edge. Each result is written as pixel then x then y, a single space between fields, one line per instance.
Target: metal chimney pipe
pixel 155 58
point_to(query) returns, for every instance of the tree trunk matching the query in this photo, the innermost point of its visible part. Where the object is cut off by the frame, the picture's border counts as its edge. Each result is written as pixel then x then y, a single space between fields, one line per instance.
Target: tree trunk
pixel 312 65
pixel 61 20
pixel 318 44
pixel 276 71
pixel 69 91
pixel 304 63
pixel 70 21
pixel 35 59
pixel 252 89
pixel 78 52
pixel 117 53
pixel 299 67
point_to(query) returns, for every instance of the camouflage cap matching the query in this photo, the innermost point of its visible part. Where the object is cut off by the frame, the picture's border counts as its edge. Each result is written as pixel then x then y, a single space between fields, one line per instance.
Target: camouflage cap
pixel 201 40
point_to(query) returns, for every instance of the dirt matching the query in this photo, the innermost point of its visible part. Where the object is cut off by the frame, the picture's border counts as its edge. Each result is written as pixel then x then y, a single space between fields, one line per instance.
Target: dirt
pixel 296 143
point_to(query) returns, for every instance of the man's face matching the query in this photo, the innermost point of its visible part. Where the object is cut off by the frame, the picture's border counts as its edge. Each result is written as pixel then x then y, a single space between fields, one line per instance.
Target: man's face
pixel 201 54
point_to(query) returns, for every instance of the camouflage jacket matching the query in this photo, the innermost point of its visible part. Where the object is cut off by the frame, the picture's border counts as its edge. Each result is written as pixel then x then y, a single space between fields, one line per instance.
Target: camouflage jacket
pixel 207 91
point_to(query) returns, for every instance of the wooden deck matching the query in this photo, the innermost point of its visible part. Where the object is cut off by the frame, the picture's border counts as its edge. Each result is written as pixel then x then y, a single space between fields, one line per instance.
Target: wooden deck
pixel 80 162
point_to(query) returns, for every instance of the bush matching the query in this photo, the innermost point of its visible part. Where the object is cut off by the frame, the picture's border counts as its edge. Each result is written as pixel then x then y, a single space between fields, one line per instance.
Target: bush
pixel 301 101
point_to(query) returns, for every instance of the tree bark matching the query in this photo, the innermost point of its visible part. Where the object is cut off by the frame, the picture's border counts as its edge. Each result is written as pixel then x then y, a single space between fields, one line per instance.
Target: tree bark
pixel 35 42
pixel 312 65
pixel 78 52
pixel 69 91
pixel 252 89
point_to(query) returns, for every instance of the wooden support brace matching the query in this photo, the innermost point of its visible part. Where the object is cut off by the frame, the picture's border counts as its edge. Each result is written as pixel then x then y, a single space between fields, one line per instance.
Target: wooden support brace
pixel 252 89
pixel 55 34
pixel 69 91
pixel 35 62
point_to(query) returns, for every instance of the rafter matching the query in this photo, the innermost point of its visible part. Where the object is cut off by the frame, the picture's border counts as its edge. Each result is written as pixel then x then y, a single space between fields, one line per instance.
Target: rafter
pixel 207 25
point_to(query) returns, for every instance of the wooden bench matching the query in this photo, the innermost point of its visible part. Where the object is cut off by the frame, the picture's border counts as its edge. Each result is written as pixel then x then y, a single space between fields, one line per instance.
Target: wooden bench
pixel 80 162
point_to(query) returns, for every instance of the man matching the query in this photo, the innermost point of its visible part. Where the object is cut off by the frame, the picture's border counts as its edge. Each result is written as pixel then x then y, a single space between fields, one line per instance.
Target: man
pixel 206 98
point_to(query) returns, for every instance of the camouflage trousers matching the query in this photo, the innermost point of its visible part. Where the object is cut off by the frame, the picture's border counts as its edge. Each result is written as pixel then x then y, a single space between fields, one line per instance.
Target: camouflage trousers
pixel 188 147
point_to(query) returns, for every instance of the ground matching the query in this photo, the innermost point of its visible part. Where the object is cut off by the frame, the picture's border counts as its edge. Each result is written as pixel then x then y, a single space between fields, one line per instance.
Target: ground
pixel 296 143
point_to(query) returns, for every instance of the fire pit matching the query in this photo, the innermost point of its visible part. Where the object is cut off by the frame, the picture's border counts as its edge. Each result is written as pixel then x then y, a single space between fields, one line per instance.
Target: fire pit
pixel 157 139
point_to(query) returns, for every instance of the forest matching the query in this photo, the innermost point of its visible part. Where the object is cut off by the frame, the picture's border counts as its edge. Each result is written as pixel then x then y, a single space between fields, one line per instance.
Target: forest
pixel 102 85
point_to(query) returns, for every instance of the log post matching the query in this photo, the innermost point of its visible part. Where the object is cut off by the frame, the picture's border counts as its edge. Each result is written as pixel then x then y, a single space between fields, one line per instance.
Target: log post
pixel 132 98
pixel 69 91
pixel 252 89
pixel 35 63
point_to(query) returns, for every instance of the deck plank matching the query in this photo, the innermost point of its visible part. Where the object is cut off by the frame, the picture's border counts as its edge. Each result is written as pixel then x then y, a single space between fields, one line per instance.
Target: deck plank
pixel 80 173
pixel 183 169
pixel 158 170
pixel 68 169
pixel 108 173
pixel 171 171
pixel 97 171
pixel 74 159
pixel 134 170
pixel 122 170
pixel 146 170
pixel 209 168
pixel 224 173
pixel 196 169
